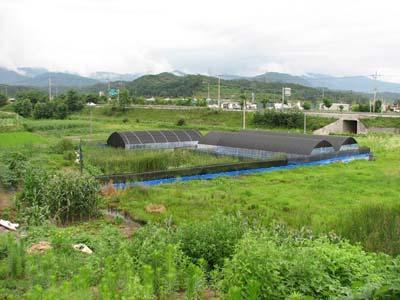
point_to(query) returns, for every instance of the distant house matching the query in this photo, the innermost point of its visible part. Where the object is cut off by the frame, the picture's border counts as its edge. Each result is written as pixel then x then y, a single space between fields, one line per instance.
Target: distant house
pixel 281 106
pixel 152 99
pixel 336 107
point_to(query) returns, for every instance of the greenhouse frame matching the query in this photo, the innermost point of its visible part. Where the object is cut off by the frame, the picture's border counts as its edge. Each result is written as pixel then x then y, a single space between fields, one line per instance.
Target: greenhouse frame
pixel 260 146
pixel 339 143
pixel 154 139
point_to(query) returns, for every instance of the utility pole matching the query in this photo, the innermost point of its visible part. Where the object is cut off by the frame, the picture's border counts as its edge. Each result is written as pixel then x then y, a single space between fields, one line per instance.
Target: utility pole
pixel 305 123
pixel 283 97
pixel 208 89
pixel 219 91
pixel 244 113
pixel 91 117
pixel 323 93
pixel 49 87
pixel 375 76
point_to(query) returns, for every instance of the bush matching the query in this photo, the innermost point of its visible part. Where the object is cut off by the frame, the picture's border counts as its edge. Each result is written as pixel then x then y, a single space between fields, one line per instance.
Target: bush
pixel 3 99
pixel 48 110
pixel 154 247
pixel 276 264
pixel 23 107
pixel 12 168
pixel 181 122
pixel 63 146
pixel 44 110
pixel 212 240
pixel 282 119
pixel 306 105
pixel 62 197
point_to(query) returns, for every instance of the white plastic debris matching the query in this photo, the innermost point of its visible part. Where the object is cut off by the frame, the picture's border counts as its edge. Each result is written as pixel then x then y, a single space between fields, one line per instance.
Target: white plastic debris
pixel 83 248
pixel 8 225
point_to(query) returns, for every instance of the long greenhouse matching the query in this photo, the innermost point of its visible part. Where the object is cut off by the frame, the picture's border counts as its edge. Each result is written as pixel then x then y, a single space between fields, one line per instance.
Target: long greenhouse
pixel 154 139
pixel 250 144
pixel 339 143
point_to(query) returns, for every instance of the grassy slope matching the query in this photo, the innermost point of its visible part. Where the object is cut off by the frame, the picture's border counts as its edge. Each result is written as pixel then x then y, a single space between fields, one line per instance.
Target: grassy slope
pixel 314 196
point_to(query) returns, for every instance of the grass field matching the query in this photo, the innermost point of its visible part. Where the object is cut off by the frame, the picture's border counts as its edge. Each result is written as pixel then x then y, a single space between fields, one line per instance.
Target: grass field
pixel 317 197
pixel 113 161
pixel 212 232
pixel 18 139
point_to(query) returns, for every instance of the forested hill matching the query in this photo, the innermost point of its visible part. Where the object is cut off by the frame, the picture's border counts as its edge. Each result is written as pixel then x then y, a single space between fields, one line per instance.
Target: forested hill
pixel 170 85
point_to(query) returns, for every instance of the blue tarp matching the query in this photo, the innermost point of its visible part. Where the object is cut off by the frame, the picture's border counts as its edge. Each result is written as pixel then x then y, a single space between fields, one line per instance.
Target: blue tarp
pixel 290 166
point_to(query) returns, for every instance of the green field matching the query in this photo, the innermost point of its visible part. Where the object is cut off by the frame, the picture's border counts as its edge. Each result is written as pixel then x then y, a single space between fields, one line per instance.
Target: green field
pixel 274 235
pixel 17 139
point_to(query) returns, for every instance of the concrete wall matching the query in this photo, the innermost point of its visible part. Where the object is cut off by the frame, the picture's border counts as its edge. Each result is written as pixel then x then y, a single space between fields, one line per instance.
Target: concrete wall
pixel 343 125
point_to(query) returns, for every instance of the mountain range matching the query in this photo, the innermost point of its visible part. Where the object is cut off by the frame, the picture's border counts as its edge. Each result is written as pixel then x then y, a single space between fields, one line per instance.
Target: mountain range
pixel 39 77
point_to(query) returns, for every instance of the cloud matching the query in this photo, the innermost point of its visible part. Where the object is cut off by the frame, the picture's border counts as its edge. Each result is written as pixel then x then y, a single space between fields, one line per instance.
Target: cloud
pixel 337 37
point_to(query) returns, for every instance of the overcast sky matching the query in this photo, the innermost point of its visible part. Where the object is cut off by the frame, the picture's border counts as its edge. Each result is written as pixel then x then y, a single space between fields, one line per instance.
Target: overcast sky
pixel 338 37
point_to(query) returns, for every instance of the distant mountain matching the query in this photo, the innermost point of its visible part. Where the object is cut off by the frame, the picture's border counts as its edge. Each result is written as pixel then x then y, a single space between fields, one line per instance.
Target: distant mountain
pixel 39 77
pixel 281 77
pixel 109 76
pixel 178 73
pixel 32 72
pixel 10 76
pixel 231 77
pixel 58 79
pixel 354 83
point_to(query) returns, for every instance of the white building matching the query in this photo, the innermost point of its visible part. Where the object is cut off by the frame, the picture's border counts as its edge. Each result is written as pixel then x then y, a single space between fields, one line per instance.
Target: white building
pixel 335 107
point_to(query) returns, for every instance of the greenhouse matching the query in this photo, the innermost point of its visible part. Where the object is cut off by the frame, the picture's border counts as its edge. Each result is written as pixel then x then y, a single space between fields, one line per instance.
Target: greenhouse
pixel 250 144
pixel 339 143
pixel 154 139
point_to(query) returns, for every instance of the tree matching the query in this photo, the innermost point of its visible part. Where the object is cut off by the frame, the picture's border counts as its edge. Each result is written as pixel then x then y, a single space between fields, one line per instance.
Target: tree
pixel 327 103
pixel 378 106
pixel 73 101
pixel 61 111
pixel 341 107
pixel 23 107
pixel 264 102
pixel 34 96
pixel 124 99
pixel 242 100
pixel 92 98
pixel 44 110
pixel 306 105
pixel 3 99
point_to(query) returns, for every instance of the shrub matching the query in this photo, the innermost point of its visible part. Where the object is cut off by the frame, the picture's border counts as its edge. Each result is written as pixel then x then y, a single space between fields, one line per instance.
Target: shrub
pixel 44 110
pixel 154 246
pixel 23 107
pixel 64 197
pixel 283 119
pixel 212 240
pixel 278 264
pixel 3 99
pixel 12 168
pixel 181 122
pixel 63 146
pixel 306 105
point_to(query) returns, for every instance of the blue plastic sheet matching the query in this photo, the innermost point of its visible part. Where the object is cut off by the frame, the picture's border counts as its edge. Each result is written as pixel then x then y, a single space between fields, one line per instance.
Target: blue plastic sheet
pixel 290 166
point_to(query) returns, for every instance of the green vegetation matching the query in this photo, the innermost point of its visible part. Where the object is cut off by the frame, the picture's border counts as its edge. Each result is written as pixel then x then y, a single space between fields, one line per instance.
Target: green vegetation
pixel 316 232
pixel 289 120
pixel 112 161
pixel 168 85
pixel 382 122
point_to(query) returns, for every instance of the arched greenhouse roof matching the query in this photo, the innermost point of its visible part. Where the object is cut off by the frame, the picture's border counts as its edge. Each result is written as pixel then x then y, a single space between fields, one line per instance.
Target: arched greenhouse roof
pixel 142 137
pixel 272 143
pixel 336 141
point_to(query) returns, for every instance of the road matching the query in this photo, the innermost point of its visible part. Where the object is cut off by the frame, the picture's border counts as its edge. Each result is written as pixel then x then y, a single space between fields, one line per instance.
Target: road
pixel 352 115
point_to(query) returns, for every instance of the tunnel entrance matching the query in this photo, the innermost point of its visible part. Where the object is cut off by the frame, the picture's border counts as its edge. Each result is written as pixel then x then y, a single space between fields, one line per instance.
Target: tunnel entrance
pixel 350 126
